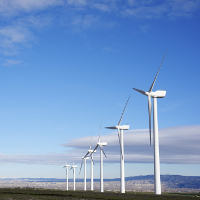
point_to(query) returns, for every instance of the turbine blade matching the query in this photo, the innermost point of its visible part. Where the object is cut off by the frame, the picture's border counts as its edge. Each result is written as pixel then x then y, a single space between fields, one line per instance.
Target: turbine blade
pixel 91 141
pixel 86 154
pixel 100 131
pixel 81 166
pixel 103 151
pixel 141 91
pixel 120 142
pixel 123 111
pixel 91 156
pixel 95 148
pixel 149 108
pixel 151 88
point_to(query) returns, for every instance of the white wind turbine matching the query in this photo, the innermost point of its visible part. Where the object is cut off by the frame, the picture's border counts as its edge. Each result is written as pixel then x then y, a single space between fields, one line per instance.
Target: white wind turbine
pixel 74 168
pixel 84 158
pixel 90 151
pixel 66 174
pixel 121 142
pixel 100 145
pixel 155 95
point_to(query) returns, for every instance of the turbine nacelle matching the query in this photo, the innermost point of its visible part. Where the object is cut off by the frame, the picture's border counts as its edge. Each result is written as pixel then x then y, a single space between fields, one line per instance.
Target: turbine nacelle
pixel 91 151
pixel 101 144
pixel 123 127
pixel 67 166
pixel 157 94
pixel 85 158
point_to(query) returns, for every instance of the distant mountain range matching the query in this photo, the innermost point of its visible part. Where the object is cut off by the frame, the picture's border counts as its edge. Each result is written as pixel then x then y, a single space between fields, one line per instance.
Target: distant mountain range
pixel 171 181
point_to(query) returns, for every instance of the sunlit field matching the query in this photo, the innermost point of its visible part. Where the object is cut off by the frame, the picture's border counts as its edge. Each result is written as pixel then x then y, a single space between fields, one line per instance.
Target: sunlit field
pixel 31 193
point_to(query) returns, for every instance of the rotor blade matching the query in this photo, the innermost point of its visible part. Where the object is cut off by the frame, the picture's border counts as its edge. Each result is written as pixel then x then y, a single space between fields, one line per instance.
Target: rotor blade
pixel 103 151
pixel 123 111
pixel 95 148
pixel 86 154
pixel 151 88
pixel 81 166
pixel 149 108
pixel 141 91
pixel 91 157
pixel 120 142
pixel 91 140
pixel 100 131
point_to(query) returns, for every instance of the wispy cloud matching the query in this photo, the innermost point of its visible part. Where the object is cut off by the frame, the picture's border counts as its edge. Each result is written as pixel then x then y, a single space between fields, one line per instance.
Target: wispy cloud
pixel 152 9
pixel 77 2
pixel 13 36
pixel 102 7
pixel 9 62
pixel 11 8
pixel 21 19
pixel 178 145
pixel 18 30
pixel 21 33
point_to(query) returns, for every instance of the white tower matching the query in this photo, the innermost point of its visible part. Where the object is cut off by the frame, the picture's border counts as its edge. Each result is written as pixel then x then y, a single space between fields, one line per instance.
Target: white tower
pixel 74 172
pixel 90 152
pixel 121 141
pixel 101 144
pixel 66 174
pixel 155 95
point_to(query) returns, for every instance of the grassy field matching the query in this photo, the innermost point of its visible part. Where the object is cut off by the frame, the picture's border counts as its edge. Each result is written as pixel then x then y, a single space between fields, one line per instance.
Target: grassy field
pixel 31 194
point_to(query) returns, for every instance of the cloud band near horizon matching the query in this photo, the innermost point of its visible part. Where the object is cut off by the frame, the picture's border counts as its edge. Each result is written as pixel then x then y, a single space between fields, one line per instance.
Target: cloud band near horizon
pixel 178 145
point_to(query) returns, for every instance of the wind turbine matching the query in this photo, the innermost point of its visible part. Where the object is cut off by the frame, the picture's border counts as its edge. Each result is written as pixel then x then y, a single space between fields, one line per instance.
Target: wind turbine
pixel 90 151
pixel 155 95
pixel 66 173
pixel 74 167
pixel 100 145
pixel 121 142
pixel 84 158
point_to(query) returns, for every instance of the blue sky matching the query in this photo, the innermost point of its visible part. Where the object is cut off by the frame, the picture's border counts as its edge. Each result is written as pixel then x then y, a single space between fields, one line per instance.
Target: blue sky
pixel 65 65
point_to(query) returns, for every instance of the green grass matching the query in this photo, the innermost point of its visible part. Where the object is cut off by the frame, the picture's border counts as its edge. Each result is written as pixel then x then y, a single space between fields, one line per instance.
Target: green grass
pixel 32 194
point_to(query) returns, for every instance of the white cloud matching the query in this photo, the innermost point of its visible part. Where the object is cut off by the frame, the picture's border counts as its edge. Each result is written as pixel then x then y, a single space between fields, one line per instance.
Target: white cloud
pixel 12 37
pixel 178 145
pixel 180 8
pixel 21 32
pixel 77 2
pixel 10 62
pixel 101 7
pixel 150 9
pixel 14 34
pixel 10 7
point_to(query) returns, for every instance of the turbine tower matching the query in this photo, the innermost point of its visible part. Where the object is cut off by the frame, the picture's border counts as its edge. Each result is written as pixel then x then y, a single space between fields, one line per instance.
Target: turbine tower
pixel 84 158
pixel 155 95
pixel 90 152
pixel 74 168
pixel 121 142
pixel 66 174
pixel 100 145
